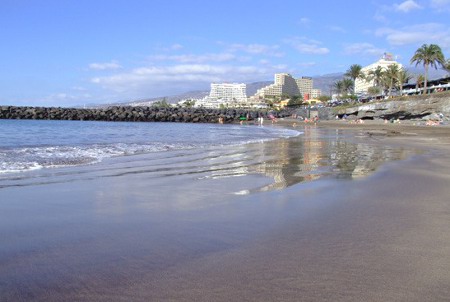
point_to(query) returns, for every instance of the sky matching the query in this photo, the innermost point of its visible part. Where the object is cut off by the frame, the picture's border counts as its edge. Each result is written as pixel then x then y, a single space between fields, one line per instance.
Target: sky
pixel 72 53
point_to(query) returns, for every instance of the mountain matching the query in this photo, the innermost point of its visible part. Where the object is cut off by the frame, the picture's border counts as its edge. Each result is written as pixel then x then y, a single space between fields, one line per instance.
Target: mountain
pixel 326 82
pixel 172 99
pixel 433 74
pixel 195 94
pixel 253 87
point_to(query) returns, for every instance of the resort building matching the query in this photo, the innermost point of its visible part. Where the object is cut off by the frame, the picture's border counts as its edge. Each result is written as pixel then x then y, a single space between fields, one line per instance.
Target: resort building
pixel 225 94
pixel 362 85
pixel 285 84
pixel 228 91
pixel 305 85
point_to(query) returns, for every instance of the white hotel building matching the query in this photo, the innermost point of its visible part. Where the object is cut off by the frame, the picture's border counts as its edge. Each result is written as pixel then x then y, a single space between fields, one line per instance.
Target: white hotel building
pixel 227 91
pixel 227 94
pixel 362 85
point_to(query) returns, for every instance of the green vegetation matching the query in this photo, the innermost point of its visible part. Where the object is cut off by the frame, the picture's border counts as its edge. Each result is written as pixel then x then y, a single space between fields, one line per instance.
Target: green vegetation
pixel 344 87
pixel 324 98
pixel 163 103
pixel 447 65
pixel 295 101
pixel 189 103
pixel 428 55
pixel 355 72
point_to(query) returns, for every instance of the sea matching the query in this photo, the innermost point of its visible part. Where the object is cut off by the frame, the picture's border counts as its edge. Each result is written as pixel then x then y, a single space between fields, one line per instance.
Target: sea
pixel 31 145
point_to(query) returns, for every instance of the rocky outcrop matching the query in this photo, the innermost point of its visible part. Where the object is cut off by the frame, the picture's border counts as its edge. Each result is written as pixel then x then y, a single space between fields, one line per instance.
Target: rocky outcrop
pixel 130 114
pixel 431 106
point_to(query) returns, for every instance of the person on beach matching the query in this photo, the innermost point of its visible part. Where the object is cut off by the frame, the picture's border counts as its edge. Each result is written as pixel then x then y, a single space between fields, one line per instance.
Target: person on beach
pixel 316 120
pixel 272 117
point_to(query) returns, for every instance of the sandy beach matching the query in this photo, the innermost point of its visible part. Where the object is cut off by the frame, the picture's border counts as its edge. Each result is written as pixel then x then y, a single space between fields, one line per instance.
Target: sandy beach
pixel 380 237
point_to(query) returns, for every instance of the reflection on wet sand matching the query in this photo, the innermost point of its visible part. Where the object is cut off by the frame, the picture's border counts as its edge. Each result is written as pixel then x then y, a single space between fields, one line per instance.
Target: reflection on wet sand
pixel 315 154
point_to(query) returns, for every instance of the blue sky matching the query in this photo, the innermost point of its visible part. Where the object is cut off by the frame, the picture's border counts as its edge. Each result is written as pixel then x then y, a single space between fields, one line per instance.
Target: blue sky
pixel 66 53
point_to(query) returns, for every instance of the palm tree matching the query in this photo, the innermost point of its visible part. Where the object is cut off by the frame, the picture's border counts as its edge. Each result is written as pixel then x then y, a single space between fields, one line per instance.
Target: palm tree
pixel 390 77
pixel 447 65
pixel 348 85
pixel 354 72
pixel 373 91
pixel 428 55
pixel 338 87
pixel 419 81
pixel 403 77
pixel 376 75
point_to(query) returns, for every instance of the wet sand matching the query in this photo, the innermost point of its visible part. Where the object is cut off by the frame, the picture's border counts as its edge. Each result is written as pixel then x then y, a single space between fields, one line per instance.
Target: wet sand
pixel 384 237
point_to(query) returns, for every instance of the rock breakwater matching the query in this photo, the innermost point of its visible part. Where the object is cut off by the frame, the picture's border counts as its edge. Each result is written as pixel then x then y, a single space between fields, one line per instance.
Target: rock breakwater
pixel 131 114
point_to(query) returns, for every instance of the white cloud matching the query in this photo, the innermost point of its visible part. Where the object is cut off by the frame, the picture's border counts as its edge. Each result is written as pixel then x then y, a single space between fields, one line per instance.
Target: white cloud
pixel 307 64
pixel 305 21
pixel 363 49
pixel 152 80
pixel 307 46
pixel 441 5
pixel 105 66
pixel 176 46
pixel 407 6
pixel 337 29
pixel 257 49
pixel 417 34
pixel 190 58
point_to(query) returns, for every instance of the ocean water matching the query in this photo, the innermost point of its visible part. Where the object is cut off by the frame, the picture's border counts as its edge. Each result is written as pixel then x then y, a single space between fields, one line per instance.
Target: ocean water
pixel 30 145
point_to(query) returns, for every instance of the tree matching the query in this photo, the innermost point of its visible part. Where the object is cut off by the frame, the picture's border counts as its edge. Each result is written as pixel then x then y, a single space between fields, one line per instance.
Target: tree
pixel 338 87
pixel 428 55
pixel 354 72
pixel 447 65
pixel 374 91
pixel 403 77
pixel 391 77
pixel 348 85
pixel 376 75
pixel 419 81
pixel 324 98
pixel 163 103
pixel 344 86
pixel 294 101
pixel 189 103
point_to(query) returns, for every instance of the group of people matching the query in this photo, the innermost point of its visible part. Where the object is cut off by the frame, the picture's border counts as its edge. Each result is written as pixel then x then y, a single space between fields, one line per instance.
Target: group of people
pixel 313 120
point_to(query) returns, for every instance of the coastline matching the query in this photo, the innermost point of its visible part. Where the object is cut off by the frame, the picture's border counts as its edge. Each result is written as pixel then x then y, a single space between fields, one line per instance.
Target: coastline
pixel 384 237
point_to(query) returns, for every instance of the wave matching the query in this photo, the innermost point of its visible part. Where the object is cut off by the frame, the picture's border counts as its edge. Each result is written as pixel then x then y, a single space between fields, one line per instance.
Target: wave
pixel 13 160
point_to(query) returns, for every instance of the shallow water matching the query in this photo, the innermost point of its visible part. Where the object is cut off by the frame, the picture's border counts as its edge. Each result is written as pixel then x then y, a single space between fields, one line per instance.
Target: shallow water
pixel 32 145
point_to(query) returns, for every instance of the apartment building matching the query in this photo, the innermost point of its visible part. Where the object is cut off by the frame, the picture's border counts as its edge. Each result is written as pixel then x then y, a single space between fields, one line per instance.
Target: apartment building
pixel 285 84
pixel 305 85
